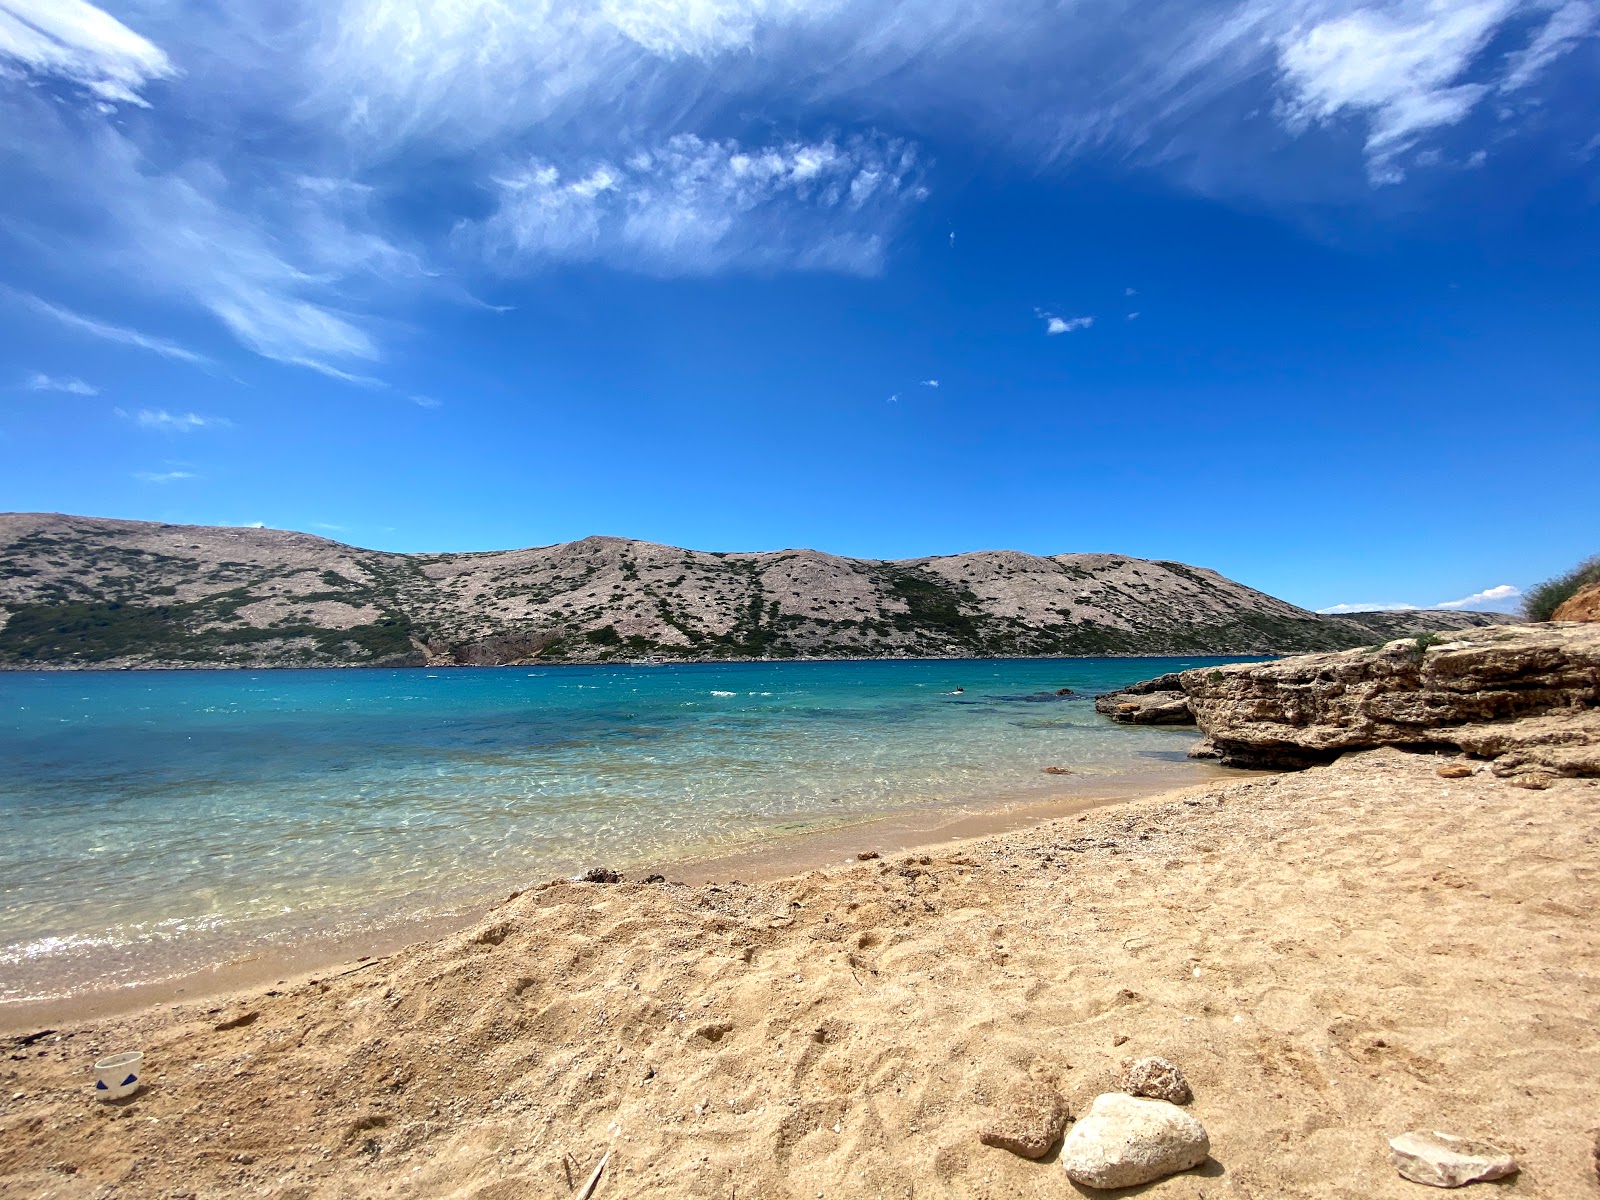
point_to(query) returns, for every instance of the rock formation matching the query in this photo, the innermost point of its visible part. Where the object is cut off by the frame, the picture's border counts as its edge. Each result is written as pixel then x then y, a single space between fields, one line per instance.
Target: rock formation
pixel 1526 697
pixel 90 592
pixel 1583 605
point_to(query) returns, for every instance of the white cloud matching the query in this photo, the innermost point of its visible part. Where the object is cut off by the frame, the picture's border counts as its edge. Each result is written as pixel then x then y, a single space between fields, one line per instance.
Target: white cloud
pixel 894 399
pixel 70 384
pixel 1401 67
pixel 1568 25
pixel 1497 598
pixel 1054 325
pixel 426 402
pixel 930 383
pixel 261 162
pixel 78 42
pixel 111 333
pixel 162 476
pixel 1133 316
pixel 166 422
pixel 693 206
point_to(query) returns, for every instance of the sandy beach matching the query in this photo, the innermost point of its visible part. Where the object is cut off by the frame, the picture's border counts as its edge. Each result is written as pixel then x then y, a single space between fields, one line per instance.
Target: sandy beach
pixel 1332 957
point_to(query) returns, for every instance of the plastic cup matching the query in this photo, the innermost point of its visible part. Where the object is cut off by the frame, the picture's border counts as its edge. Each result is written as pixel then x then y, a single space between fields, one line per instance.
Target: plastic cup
pixel 118 1076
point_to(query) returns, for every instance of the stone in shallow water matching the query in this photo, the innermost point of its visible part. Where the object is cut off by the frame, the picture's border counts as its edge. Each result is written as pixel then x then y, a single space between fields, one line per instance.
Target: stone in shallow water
pixel 1156 1078
pixel 1445 1161
pixel 1028 1117
pixel 1123 1141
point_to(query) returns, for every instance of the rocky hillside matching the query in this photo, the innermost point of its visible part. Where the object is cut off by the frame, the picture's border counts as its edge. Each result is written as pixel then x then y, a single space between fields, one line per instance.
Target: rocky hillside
pixel 93 592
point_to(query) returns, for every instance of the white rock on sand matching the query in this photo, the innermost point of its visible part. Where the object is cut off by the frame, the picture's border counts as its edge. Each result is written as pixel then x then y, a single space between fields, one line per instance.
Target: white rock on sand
pixel 1445 1161
pixel 1124 1141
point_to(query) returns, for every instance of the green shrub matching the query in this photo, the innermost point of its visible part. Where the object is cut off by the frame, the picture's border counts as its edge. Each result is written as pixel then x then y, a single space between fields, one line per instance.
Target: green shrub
pixel 1543 600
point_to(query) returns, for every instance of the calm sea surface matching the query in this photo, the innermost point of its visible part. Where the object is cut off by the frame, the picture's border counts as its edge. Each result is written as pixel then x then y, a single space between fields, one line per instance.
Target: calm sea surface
pixel 161 821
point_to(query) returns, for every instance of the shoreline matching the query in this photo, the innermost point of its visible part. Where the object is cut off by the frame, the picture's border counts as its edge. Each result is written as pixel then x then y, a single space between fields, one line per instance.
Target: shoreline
pixel 1331 956
pixel 765 859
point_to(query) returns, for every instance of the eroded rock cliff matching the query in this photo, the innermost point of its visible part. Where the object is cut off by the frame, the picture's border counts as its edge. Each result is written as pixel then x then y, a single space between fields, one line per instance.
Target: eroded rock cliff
pixel 1524 697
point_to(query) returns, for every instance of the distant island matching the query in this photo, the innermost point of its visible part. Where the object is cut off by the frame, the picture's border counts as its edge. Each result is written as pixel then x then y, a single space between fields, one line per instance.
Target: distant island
pixel 96 592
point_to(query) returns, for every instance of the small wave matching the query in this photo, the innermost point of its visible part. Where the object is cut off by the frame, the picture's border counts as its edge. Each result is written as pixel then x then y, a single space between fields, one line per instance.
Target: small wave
pixel 724 693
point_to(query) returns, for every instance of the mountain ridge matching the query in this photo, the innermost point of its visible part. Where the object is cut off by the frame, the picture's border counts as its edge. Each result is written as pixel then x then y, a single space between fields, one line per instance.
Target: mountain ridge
pixel 104 592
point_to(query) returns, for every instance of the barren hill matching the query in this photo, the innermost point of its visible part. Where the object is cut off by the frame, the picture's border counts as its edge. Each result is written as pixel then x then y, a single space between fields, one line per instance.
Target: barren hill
pixel 95 592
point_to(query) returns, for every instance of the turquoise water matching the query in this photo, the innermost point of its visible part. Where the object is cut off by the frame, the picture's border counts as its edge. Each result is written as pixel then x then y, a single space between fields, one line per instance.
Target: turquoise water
pixel 160 821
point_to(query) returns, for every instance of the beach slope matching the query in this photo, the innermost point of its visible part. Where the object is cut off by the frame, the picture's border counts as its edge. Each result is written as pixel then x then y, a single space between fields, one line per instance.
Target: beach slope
pixel 1333 957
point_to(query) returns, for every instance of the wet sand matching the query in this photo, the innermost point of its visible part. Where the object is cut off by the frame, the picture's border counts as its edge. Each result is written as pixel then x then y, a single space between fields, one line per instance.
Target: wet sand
pixel 295 961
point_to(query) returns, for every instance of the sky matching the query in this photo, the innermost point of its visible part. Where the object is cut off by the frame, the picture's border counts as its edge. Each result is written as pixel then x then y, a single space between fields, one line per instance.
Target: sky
pixel 1306 291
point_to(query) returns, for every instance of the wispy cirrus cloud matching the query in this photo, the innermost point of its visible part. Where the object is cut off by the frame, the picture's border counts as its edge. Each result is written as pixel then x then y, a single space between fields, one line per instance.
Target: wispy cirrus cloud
pixel 82 44
pixel 163 476
pixel 70 384
pixel 162 421
pixel 637 135
pixel 109 332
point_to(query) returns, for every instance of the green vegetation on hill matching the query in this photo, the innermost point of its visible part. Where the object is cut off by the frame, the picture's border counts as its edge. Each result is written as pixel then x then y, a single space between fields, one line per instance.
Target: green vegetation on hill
pixel 1543 600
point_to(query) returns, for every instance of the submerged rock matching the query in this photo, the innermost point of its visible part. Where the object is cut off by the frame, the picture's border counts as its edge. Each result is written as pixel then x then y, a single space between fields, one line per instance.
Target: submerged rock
pixel 1028 1117
pixel 1445 1161
pixel 1123 1141
pixel 1154 1077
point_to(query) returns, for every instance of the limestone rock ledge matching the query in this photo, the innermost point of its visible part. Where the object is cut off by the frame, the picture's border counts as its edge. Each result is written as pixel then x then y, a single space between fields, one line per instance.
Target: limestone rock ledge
pixel 1525 696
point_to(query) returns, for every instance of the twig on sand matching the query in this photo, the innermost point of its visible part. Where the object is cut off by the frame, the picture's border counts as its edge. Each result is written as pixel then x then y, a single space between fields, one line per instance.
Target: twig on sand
pixel 363 967
pixel 587 1189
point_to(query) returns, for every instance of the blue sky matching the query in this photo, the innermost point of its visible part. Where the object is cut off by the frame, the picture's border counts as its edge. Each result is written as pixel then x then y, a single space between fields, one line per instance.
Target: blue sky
pixel 1302 290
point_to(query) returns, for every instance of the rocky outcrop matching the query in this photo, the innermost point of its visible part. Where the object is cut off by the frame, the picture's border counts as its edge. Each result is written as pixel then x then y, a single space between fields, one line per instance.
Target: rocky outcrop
pixel 1158 701
pixel 1584 605
pixel 1526 697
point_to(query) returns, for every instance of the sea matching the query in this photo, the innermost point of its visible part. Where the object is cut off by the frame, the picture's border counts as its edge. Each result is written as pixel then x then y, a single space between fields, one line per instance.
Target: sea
pixel 159 822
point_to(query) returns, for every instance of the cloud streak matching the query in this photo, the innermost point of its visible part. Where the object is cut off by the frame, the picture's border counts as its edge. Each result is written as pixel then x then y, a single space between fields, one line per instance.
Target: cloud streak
pixel 112 333
pixel 77 42
pixel 162 421
pixel 69 384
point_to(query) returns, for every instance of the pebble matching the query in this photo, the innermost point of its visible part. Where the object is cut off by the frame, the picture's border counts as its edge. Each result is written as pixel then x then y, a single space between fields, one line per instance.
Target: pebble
pixel 1028 1117
pixel 1124 1141
pixel 1534 781
pixel 1454 771
pixel 1446 1161
pixel 1154 1077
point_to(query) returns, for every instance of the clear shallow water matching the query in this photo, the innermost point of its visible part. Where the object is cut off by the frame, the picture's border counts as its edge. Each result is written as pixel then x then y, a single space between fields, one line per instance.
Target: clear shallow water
pixel 161 821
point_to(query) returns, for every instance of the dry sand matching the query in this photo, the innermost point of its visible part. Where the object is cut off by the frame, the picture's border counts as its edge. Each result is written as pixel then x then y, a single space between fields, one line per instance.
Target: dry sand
pixel 1333 957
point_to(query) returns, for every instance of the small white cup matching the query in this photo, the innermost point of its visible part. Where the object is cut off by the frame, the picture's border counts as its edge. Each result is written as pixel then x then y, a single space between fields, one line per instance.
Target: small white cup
pixel 118 1076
